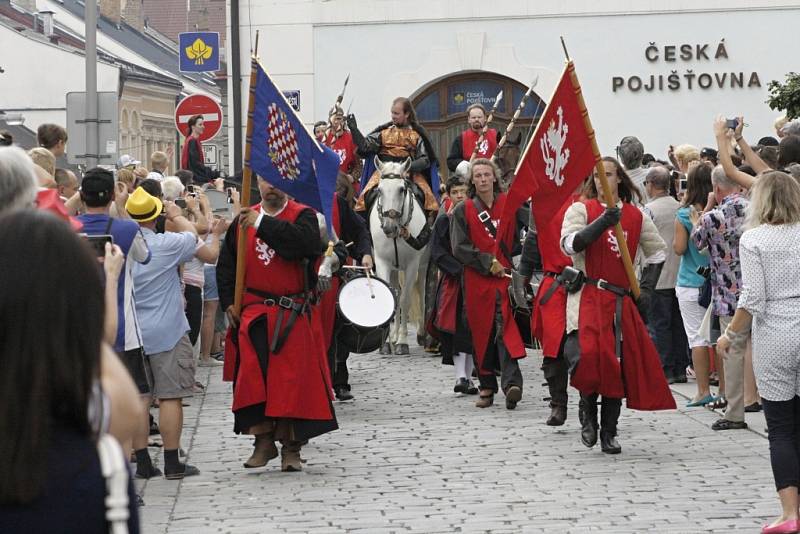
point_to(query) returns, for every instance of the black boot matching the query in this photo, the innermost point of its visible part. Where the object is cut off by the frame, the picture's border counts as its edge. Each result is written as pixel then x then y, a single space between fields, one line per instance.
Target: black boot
pixel 555 371
pixel 588 409
pixel 609 415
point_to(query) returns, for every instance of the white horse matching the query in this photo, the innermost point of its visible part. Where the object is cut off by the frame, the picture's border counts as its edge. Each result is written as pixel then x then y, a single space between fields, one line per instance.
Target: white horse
pixel 396 207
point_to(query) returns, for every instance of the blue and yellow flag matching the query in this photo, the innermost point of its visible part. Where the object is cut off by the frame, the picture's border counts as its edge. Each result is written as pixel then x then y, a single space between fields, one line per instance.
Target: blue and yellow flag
pixel 285 154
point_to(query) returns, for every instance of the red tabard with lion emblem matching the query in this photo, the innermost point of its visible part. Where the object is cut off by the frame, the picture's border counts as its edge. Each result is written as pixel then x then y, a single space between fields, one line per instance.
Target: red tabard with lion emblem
pixel 640 378
pixel 480 291
pixel 470 138
pixel 297 383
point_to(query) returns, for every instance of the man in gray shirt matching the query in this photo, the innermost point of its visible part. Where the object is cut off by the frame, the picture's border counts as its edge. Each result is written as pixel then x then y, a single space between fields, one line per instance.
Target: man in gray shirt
pixel 665 324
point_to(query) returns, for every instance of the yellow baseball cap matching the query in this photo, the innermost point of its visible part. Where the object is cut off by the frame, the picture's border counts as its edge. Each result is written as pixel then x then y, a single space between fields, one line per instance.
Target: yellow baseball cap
pixel 143 207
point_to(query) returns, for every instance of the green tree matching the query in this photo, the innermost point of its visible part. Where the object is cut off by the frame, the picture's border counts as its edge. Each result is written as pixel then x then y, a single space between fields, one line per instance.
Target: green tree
pixel 786 96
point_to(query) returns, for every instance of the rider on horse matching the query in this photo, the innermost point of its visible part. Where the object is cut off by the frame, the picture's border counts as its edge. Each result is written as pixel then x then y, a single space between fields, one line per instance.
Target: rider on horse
pixel 395 141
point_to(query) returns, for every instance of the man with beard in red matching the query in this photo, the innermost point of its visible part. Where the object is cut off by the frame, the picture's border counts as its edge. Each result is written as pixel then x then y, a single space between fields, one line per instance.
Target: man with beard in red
pixel 464 144
pixel 281 387
pixel 486 257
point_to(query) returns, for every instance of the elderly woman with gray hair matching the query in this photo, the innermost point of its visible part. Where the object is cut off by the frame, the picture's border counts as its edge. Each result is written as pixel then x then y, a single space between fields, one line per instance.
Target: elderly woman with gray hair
pixel 18 182
pixel 770 304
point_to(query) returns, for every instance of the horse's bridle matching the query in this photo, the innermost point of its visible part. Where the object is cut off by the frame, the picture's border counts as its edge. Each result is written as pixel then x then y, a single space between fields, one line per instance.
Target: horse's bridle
pixel 392 213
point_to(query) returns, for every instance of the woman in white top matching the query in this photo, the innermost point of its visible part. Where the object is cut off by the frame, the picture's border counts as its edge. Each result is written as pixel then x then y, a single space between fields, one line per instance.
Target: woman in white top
pixel 770 302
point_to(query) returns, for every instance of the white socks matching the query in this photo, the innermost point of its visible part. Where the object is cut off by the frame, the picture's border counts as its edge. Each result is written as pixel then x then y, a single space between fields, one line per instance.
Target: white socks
pixel 463 365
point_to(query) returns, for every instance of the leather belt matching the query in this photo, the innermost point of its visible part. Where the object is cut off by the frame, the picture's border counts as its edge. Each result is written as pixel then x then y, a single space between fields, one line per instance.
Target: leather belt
pixel 620 293
pixel 553 287
pixel 602 284
pixel 286 303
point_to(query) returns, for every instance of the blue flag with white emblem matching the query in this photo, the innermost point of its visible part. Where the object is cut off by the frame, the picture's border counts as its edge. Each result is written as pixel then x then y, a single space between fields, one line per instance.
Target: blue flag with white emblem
pixel 285 154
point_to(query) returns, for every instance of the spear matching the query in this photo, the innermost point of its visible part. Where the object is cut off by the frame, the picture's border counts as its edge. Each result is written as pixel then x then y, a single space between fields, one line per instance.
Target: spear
pixel 517 113
pixel 337 104
pixel 486 126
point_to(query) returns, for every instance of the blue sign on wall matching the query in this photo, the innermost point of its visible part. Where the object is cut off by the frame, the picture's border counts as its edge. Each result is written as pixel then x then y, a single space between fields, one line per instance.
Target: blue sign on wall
pixel 293 97
pixel 462 95
pixel 199 51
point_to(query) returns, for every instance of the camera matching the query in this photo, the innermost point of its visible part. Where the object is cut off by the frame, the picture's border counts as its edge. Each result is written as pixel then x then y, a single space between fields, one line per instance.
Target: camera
pixel 704 271
pixel 98 243
pixel 732 123
pixel 181 203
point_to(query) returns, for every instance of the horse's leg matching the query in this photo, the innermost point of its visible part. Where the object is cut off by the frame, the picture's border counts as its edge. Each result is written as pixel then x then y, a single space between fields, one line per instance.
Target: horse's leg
pixel 384 272
pixel 409 281
pixel 424 279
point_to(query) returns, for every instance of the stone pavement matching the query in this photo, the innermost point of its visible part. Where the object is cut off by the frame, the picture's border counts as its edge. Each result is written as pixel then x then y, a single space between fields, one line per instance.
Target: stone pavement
pixel 412 456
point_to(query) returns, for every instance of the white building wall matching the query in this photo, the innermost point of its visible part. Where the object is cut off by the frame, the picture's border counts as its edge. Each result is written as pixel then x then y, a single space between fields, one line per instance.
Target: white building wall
pixel 38 76
pixel 396 47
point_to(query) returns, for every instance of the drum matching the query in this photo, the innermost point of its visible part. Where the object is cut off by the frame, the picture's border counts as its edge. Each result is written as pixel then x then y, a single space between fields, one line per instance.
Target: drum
pixel 365 307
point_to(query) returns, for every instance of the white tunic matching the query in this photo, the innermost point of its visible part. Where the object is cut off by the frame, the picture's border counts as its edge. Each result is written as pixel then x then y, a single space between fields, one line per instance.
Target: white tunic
pixel 650 244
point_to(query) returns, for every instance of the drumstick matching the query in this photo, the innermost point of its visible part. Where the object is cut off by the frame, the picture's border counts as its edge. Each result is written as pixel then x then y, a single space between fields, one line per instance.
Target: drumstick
pixel 359 267
pixel 369 285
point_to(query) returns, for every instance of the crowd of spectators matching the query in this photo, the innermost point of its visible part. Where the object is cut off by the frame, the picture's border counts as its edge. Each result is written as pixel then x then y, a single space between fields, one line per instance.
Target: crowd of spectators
pixel 136 250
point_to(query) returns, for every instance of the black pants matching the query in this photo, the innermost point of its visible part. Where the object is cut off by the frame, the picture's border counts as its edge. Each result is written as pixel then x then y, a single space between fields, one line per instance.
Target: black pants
pixel 557 376
pixel 194 310
pixel 337 363
pixel 498 358
pixel 783 422
pixel 669 336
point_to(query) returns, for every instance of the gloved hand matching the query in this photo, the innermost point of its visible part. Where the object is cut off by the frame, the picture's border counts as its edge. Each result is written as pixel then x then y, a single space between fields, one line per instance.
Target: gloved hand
pixel 327 267
pixel 647 285
pixel 351 122
pixel 595 229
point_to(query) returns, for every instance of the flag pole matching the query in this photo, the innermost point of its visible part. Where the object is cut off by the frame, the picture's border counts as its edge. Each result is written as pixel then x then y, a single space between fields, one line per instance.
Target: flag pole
pixel 601 174
pixel 247 179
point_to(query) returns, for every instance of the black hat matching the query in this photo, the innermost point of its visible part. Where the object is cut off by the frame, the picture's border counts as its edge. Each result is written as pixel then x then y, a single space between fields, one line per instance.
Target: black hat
pixel 768 141
pixel 708 152
pixel 98 183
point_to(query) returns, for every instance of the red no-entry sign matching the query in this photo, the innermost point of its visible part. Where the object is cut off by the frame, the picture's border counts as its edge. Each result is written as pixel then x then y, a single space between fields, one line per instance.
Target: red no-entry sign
pixel 199 105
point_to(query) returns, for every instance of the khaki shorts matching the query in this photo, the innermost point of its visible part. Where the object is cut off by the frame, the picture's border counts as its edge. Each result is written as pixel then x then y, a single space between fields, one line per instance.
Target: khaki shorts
pixel 173 371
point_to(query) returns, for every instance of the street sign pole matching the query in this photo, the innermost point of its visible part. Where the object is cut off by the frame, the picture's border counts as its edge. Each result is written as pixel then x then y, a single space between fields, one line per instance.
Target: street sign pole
pixel 92 145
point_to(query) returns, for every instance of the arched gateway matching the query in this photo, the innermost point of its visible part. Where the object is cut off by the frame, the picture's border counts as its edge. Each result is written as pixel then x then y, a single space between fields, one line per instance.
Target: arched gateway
pixel 442 104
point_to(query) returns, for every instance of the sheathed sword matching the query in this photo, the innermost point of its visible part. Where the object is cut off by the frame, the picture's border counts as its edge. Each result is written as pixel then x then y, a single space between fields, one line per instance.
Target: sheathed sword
pixel 517 113
pixel 486 126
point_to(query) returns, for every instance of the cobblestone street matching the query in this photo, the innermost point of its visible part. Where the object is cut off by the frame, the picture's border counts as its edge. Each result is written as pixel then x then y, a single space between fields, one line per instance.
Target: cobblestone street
pixel 413 456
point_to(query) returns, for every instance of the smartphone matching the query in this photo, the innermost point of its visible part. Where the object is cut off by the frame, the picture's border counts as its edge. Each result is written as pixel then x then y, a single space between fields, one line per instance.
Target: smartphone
pixel 181 203
pixel 732 123
pixel 98 243
pixel 684 184
pixel 190 188
pixel 230 195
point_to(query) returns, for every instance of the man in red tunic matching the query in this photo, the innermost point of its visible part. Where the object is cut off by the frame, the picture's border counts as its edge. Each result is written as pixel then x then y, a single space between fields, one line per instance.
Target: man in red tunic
pixel 338 139
pixel 281 388
pixel 487 259
pixel 464 144
pixel 352 230
pixel 608 347
pixel 549 319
